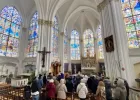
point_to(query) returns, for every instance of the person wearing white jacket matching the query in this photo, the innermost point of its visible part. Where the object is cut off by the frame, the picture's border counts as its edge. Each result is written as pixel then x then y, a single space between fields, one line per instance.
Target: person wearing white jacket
pixel 82 90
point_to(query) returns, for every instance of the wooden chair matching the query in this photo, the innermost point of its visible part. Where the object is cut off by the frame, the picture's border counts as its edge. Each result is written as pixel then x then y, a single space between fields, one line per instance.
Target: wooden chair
pixel 69 95
pixel 75 96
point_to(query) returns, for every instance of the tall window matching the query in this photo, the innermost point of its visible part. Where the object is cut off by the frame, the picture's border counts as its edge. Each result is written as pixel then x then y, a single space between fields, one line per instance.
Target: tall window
pixel 131 13
pixel 33 37
pixel 55 38
pixel 65 45
pixel 100 43
pixel 10 22
pixel 75 45
pixel 88 43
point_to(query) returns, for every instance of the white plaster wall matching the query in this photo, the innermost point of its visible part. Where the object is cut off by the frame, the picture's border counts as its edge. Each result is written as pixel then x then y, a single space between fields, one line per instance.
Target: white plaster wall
pixel 10 67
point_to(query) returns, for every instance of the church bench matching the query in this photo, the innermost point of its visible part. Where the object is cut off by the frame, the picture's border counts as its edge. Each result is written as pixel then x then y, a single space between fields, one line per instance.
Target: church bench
pixel 69 96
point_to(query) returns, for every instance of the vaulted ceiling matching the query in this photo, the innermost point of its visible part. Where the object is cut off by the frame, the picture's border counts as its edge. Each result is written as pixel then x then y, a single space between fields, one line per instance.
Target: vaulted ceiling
pixel 78 14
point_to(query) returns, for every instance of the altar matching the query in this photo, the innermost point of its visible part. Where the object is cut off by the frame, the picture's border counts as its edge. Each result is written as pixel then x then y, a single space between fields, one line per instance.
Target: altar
pixel 88 65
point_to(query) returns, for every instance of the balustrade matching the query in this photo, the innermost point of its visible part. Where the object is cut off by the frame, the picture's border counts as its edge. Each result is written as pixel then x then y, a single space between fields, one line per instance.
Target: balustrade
pixel 134 94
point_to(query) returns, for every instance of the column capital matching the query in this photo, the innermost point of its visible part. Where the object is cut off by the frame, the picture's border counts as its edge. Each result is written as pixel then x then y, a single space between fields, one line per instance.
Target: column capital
pixel 103 4
pixel 45 22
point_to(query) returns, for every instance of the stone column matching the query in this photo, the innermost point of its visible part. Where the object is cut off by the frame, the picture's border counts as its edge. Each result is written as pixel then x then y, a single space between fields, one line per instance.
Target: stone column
pixel 117 63
pixel 69 56
pixel 22 49
pixel 45 25
pixel 62 51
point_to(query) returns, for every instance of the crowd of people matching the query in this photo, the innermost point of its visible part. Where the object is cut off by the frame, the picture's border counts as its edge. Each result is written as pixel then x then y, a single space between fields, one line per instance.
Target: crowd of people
pixel 57 87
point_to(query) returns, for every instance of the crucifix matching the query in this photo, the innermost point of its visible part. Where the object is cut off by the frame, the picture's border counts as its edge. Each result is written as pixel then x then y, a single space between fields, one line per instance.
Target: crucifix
pixel 44 52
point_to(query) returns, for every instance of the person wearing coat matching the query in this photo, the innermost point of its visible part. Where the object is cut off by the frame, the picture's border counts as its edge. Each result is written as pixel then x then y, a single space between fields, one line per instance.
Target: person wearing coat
pixel 61 90
pixel 69 85
pixel 108 89
pixel 127 89
pixel 100 93
pixel 35 90
pixel 92 83
pixel 120 91
pixel 51 90
pixel 27 91
pixel 82 90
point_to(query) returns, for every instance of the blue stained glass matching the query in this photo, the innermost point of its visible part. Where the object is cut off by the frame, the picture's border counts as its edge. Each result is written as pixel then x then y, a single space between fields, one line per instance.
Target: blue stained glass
pixel 122 0
pixel 132 21
pixel 75 45
pixel 16 34
pixel 100 43
pixel 137 7
pixel 55 38
pixel 88 42
pixel 33 36
pixel 10 20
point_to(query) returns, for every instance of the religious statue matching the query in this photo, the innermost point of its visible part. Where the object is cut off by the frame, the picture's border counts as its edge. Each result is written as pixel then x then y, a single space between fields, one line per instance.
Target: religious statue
pixel 88 53
pixel 44 52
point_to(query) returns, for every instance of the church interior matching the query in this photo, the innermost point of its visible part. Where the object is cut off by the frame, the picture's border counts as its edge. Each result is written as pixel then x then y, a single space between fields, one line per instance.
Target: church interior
pixel 100 37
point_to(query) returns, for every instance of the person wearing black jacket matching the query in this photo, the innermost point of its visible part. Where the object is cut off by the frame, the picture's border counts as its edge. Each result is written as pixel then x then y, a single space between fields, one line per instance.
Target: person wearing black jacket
pixel 27 91
pixel 44 80
pixel 69 85
pixel 127 89
pixel 35 90
pixel 92 84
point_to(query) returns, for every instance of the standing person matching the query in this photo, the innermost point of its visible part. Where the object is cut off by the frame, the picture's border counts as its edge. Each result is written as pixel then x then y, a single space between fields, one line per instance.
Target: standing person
pixel 100 93
pixel 120 92
pixel 108 89
pixel 69 85
pixel 40 82
pixel 49 76
pixel 35 90
pixel 92 83
pixel 127 89
pixel 61 90
pixel 51 90
pixel 27 91
pixel 82 90
pixel 44 80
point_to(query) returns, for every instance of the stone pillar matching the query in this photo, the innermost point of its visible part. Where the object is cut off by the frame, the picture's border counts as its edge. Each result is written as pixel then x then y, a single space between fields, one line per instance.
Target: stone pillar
pixel 45 25
pixel 69 56
pixel 22 49
pixel 117 63
pixel 62 51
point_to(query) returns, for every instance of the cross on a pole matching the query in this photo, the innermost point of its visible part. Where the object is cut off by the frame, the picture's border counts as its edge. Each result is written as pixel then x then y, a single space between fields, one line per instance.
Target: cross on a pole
pixel 44 52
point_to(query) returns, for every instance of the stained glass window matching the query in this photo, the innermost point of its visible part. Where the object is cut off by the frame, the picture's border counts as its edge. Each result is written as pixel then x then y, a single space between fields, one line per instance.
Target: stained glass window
pixel 55 38
pixel 131 13
pixel 65 45
pixel 75 45
pixel 10 22
pixel 33 37
pixel 100 43
pixel 88 43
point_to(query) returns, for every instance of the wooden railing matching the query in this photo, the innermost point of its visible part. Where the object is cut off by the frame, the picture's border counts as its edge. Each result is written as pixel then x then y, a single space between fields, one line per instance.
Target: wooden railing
pixel 134 94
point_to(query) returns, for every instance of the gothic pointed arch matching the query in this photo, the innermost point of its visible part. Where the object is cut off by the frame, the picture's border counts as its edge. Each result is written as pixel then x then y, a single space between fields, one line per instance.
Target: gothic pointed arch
pixel 55 38
pixel 10 24
pixel 88 43
pixel 75 45
pixel 33 36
